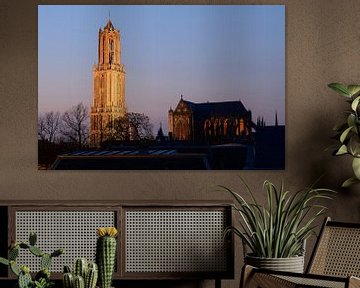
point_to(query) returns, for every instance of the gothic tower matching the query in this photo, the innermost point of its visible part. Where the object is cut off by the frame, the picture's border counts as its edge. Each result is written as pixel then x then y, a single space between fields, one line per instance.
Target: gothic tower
pixel 109 85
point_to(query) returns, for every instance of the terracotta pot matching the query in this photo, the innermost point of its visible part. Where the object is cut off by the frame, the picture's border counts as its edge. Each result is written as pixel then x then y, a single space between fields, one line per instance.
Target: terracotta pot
pixel 291 264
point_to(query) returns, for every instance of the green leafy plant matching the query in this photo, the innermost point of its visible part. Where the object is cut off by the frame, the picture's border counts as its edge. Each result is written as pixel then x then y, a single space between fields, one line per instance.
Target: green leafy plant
pixel 348 132
pixel 279 229
pixel 42 278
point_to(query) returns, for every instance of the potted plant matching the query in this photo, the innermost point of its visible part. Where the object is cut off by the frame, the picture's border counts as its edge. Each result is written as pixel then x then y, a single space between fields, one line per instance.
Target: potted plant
pixel 348 132
pixel 276 233
pixel 42 278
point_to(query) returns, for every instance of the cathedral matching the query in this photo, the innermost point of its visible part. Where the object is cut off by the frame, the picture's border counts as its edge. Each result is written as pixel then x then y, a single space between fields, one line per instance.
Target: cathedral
pixel 210 122
pixel 108 101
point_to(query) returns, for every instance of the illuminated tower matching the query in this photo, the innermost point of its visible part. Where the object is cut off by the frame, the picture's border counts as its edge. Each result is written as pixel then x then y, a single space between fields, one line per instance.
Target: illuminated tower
pixel 109 85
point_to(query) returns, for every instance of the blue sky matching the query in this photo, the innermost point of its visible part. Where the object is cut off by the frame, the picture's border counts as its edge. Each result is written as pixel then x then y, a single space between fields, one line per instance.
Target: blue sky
pixel 207 53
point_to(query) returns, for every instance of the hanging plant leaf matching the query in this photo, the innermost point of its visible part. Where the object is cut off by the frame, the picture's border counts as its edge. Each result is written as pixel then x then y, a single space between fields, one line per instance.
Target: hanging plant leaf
pixel 345 134
pixel 355 103
pixel 356 167
pixel 351 120
pixel 342 150
pixel 340 88
pixel 349 182
pixel 353 89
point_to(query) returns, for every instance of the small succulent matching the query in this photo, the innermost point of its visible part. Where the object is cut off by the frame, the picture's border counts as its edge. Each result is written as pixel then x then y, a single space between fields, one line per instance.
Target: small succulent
pixel 43 283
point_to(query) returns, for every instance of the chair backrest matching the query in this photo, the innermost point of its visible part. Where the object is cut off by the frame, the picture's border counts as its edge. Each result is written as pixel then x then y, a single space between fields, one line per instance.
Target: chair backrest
pixel 337 251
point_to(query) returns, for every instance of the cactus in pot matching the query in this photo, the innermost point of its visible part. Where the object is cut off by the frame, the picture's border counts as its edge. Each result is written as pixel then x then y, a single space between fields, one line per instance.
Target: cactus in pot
pixel 85 275
pixel 106 254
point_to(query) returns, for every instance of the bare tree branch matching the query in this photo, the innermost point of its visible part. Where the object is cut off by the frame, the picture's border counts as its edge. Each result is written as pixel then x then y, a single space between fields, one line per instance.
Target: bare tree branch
pixel 49 126
pixel 76 125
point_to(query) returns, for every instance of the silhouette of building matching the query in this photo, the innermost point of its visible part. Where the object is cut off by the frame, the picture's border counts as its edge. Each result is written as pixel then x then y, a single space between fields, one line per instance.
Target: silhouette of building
pixel 109 85
pixel 210 122
pixel 160 137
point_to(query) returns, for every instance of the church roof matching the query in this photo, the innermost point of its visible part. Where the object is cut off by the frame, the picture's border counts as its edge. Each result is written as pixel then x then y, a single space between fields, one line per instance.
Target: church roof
pixel 225 108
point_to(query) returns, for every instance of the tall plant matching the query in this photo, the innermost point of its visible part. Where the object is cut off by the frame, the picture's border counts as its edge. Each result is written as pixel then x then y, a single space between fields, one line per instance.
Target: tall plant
pixel 279 229
pixel 348 132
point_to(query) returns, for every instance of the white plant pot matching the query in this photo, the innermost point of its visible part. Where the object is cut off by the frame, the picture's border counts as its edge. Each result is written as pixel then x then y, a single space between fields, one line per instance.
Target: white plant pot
pixel 291 264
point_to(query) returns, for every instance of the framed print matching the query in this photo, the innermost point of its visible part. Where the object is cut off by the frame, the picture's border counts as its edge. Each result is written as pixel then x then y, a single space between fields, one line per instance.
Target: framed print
pixel 154 87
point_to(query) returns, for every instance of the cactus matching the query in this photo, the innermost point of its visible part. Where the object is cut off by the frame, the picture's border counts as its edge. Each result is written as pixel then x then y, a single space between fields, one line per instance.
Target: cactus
pixel 32 238
pixel 4 261
pixel 91 276
pixel 67 269
pixel 45 261
pixel 36 251
pixel 24 280
pixel 80 268
pixel 57 253
pixel 42 278
pixel 79 282
pixel 14 268
pixel 13 253
pixel 68 280
pixel 105 254
pixel 89 272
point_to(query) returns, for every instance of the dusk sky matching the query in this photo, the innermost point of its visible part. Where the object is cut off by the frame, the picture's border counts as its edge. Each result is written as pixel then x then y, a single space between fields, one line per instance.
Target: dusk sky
pixel 207 53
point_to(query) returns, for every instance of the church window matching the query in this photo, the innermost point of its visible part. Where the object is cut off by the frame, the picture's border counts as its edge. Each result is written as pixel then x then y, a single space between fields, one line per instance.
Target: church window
pixel 226 127
pixel 181 130
pixel 111 50
pixel 242 126
pixel 216 127
pixel 207 125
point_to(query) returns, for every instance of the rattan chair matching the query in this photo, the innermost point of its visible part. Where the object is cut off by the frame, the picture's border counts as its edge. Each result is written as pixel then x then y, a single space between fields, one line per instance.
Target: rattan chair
pixel 334 263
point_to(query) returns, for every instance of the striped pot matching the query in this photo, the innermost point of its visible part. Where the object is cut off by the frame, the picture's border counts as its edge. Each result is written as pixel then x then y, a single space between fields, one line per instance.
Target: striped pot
pixel 291 264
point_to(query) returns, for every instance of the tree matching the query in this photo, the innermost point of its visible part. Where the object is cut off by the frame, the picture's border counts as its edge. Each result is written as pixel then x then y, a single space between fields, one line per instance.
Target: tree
pixel 75 125
pixel 131 127
pixel 49 126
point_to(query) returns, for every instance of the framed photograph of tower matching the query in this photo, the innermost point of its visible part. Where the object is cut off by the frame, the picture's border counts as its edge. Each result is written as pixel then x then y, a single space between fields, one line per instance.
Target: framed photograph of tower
pixel 169 87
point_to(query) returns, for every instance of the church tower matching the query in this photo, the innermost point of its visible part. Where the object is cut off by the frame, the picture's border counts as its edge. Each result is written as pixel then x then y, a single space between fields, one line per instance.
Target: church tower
pixel 108 101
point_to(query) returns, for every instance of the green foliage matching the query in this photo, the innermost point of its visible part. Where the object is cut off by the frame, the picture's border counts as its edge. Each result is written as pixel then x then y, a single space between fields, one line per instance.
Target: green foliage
pixel 42 278
pixel 348 132
pixel 279 229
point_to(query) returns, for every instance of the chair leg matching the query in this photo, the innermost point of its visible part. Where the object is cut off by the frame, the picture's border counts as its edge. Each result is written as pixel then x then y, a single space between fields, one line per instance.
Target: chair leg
pixel 217 283
pixel 246 273
pixel 250 278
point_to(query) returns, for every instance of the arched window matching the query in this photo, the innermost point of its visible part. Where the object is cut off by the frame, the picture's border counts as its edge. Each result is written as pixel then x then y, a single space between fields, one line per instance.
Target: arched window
pixel 181 131
pixel 207 125
pixel 111 51
pixel 226 127
pixel 216 127
pixel 242 126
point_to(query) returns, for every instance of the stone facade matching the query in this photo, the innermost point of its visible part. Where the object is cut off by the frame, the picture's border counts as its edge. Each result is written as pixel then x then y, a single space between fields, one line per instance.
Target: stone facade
pixel 211 122
pixel 108 84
